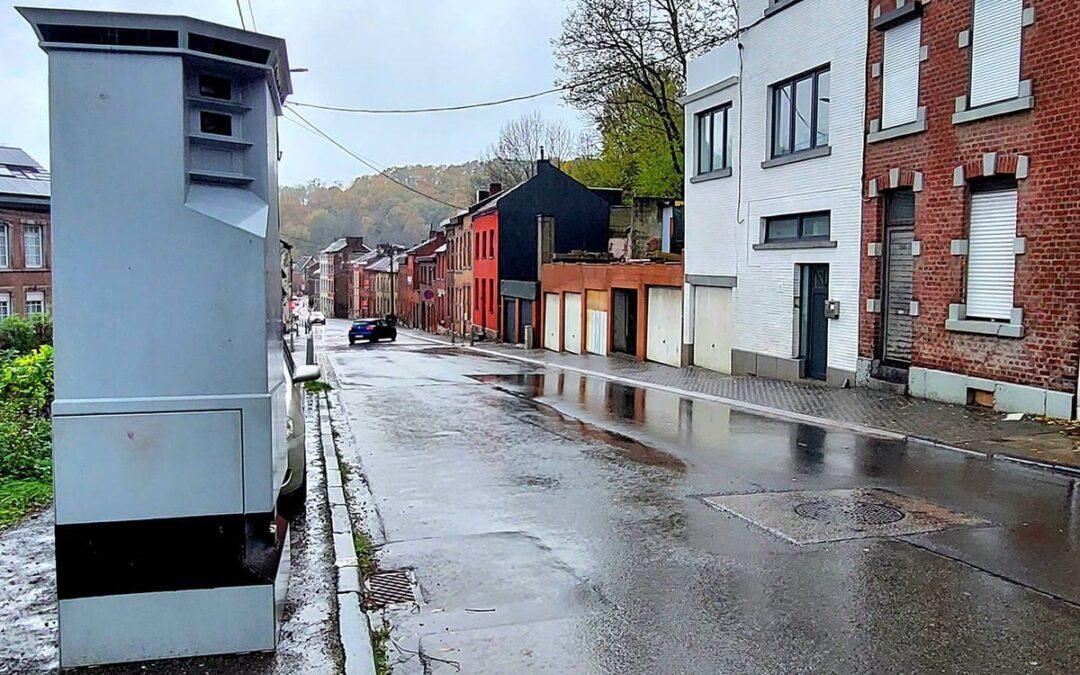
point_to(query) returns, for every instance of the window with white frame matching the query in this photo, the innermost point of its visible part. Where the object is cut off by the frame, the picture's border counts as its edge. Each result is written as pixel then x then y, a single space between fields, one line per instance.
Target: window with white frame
pixel 5 305
pixel 900 74
pixel 5 256
pixel 995 51
pixel 991 265
pixel 35 302
pixel 33 246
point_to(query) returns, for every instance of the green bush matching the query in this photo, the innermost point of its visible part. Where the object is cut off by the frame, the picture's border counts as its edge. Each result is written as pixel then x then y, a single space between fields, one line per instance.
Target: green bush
pixel 24 335
pixel 26 391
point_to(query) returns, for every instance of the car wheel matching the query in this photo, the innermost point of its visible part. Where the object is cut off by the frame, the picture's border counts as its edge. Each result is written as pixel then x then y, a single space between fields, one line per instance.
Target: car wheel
pixel 352 341
pixel 292 504
pixel 393 338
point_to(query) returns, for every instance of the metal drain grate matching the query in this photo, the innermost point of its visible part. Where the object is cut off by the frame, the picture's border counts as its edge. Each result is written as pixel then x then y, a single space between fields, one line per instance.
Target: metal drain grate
pixel 388 588
pixel 850 513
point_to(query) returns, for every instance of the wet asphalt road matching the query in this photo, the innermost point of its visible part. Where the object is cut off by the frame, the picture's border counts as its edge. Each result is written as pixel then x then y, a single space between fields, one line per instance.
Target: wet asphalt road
pixel 555 523
pixel 308 640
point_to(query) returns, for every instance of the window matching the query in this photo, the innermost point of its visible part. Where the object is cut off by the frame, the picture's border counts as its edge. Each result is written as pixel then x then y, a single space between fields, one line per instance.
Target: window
pixel 800 113
pixel 5 305
pixel 216 123
pixel 713 151
pixel 5 258
pixel 491 295
pixel 900 74
pixel 212 86
pixel 995 51
pixel 35 302
pixel 797 227
pixel 32 246
pixel 991 265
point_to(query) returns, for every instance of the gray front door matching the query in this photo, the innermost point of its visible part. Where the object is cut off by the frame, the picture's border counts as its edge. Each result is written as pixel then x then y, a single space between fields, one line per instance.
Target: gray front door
pixel 897 328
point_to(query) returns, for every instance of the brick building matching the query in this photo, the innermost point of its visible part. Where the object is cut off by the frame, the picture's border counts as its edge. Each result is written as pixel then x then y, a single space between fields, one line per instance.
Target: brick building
pixel 459 230
pixel 334 275
pixel 416 284
pixel 25 250
pixel 972 206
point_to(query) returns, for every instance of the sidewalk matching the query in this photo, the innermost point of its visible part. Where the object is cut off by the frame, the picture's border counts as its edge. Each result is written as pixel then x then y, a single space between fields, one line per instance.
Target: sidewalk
pixel 1056 445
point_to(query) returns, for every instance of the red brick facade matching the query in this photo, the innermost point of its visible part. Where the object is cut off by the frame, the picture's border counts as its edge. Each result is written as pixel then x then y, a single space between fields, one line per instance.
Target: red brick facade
pixel 16 278
pixel 1037 147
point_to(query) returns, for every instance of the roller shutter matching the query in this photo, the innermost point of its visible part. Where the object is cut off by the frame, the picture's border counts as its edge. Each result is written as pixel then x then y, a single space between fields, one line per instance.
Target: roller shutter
pixel 995 51
pixel 900 74
pixel 991 256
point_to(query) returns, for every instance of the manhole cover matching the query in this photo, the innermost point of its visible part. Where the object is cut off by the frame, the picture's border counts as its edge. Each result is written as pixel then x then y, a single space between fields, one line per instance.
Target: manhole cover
pixel 388 588
pixel 850 513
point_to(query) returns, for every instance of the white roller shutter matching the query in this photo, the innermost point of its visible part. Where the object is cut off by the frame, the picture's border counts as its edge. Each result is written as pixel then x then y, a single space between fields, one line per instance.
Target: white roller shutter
pixel 995 51
pixel 991 256
pixel 900 74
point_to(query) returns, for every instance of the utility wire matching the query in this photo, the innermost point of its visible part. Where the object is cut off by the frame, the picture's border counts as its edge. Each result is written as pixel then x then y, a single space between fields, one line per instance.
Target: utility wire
pixel 411 111
pixel 367 163
pixel 377 166
pixel 251 11
pixel 241 13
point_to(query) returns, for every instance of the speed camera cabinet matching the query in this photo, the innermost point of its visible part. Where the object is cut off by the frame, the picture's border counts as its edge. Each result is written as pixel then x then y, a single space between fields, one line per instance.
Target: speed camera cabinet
pixel 169 418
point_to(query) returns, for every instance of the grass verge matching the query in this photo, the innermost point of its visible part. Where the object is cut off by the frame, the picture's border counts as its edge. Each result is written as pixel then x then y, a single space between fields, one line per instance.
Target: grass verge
pixel 317 386
pixel 21 496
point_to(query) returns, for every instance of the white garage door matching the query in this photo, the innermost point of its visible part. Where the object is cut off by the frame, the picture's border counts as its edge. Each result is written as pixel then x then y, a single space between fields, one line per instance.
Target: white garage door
pixel 572 322
pixel 596 322
pixel 664 332
pixel 712 328
pixel 551 321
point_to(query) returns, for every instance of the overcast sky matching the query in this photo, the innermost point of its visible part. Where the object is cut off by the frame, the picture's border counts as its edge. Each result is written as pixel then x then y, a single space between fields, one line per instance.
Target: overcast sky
pixel 361 53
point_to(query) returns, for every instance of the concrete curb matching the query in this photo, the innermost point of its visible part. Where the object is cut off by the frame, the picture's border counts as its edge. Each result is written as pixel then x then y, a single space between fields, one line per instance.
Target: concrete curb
pixel 354 632
pixel 776 413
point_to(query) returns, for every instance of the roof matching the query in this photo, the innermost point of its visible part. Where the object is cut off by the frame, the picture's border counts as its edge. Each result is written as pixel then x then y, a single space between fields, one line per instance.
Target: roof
pixel 96 31
pixel 493 201
pixel 335 246
pixel 22 177
pixel 363 257
pixel 441 249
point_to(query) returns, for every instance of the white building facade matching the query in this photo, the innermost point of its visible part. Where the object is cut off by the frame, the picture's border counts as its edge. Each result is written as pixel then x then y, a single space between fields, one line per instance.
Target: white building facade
pixel 773 193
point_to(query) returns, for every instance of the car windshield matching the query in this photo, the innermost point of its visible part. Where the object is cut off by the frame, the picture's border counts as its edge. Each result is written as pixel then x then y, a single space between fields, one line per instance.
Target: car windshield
pixel 363 322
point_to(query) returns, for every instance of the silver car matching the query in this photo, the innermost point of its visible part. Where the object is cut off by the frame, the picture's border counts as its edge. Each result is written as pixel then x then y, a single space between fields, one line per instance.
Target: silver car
pixel 294 486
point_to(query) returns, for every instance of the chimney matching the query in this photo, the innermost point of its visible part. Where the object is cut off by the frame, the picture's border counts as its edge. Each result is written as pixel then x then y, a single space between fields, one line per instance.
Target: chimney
pixel 481 195
pixel 494 188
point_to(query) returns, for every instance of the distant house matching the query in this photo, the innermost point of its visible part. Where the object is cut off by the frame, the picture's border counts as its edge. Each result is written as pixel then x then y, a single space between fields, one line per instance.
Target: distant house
pixel 507 244
pixel 358 300
pixel 417 287
pixel 25 249
pixel 334 275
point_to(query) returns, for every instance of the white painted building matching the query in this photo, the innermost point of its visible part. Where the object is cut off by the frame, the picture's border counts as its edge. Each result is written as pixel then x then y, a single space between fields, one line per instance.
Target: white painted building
pixel 773 202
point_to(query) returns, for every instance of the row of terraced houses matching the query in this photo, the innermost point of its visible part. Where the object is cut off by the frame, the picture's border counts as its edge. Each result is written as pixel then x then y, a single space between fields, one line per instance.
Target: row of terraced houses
pixel 878 194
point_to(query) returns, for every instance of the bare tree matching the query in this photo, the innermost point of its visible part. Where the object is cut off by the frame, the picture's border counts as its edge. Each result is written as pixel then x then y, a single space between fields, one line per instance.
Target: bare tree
pixel 512 158
pixel 634 54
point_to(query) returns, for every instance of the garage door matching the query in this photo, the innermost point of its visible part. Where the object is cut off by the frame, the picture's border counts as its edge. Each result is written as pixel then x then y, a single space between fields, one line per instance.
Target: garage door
pixel 551 321
pixel 596 318
pixel 712 328
pixel 572 322
pixel 664 332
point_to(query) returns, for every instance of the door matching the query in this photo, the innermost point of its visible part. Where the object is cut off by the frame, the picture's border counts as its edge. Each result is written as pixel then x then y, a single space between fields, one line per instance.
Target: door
pixel 815 325
pixel 551 321
pixel 572 323
pixel 509 323
pixel 525 317
pixel 664 341
pixel 712 328
pixel 897 327
pixel 596 322
pixel 624 321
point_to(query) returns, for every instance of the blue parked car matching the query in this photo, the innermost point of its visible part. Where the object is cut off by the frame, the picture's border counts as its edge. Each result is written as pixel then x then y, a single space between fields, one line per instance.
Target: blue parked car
pixel 371 330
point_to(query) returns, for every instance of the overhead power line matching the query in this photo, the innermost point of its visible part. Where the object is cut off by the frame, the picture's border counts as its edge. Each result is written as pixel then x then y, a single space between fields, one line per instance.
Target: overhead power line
pixel 241 13
pixel 311 127
pixel 251 11
pixel 449 108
